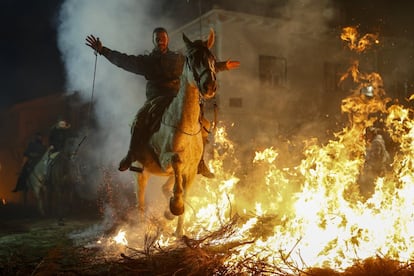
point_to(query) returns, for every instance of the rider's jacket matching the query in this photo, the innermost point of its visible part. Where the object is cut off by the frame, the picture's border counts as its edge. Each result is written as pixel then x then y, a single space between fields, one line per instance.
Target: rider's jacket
pixel 34 149
pixel 57 137
pixel 161 70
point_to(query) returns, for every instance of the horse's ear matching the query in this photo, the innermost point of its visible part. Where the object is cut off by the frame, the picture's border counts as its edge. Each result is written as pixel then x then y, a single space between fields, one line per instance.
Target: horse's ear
pixel 210 40
pixel 186 40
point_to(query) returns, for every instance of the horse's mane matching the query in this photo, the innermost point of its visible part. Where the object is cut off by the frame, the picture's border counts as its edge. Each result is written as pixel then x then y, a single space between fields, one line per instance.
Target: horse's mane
pixel 195 46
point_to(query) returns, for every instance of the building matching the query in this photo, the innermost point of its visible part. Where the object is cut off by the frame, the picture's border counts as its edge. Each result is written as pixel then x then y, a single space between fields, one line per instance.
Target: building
pixel 287 84
pixel 289 74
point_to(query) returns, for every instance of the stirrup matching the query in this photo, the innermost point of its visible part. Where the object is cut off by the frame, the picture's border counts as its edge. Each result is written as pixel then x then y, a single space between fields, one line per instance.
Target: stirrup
pixel 125 163
pixel 136 169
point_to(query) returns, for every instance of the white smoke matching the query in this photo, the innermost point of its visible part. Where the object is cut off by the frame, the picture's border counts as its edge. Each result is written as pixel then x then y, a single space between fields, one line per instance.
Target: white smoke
pixel 126 26
pixel 122 25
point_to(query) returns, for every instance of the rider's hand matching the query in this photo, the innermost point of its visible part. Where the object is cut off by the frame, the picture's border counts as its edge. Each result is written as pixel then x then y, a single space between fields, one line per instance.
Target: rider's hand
pixel 232 64
pixel 94 43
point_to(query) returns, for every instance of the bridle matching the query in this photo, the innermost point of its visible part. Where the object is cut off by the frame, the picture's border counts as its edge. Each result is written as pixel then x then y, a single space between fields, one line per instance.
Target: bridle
pixel 197 77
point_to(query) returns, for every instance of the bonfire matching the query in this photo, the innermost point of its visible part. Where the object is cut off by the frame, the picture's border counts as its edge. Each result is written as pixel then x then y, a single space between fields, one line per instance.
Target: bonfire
pixel 306 219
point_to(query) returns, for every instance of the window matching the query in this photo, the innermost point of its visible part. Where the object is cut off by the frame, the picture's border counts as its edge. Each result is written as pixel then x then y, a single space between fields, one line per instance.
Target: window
pixel 272 71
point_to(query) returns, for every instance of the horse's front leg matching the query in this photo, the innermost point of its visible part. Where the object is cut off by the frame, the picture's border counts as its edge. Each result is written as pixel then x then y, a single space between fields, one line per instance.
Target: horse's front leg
pixel 167 188
pixel 40 194
pixel 177 200
pixel 142 180
pixel 179 230
pixel 187 181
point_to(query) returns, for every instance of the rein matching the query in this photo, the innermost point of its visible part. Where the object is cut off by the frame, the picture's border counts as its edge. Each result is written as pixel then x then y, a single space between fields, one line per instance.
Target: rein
pixel 197 78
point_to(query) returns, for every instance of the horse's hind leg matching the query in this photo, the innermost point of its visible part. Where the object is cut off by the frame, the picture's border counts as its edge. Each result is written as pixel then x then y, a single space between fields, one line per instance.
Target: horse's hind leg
pixel 142 180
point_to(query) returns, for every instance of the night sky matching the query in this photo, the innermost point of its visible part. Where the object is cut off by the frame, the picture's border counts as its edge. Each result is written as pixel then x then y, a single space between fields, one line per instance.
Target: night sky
pixel 30 60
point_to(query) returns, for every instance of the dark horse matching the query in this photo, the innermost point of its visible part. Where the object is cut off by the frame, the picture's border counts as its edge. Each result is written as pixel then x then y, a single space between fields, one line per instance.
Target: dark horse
pixel 175 149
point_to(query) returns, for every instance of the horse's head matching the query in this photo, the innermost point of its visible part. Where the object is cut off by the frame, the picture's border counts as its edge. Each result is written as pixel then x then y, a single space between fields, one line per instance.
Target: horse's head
pixel 201 63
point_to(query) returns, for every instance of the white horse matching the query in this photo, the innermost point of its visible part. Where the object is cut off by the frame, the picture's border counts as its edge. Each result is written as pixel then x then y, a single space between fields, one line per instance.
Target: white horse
pixel 50 181
pixel 36 181
pixel 177 147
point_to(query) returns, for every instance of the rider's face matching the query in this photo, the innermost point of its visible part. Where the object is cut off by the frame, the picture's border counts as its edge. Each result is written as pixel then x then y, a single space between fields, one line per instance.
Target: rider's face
pixel 63 124
pixel 161 41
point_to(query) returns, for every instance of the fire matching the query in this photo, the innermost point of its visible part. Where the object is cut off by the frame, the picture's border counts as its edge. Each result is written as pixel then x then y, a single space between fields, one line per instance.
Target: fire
pixel 3 200
pixel 355 43
pixel 312 214
pixel 120 238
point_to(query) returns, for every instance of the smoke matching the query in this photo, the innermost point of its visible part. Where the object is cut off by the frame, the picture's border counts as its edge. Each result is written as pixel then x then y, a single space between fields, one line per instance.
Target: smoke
pixel 125 26
pixel 303 36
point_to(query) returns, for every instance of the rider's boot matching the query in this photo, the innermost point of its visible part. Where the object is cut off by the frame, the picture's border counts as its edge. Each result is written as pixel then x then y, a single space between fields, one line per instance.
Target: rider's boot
pixel 204 170
pixel 126 161
pixel 21 181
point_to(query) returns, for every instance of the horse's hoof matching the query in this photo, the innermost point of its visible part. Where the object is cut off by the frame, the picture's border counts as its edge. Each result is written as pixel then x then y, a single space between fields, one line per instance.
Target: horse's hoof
pixel 168 215
pixel 176 208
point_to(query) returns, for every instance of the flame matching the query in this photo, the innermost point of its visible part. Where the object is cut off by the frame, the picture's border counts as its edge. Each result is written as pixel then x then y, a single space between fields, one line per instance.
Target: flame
pixel 3 200
pixel 358 106
pixel 355 43
pixel 120 238
pixel 312 214
pixel 319 218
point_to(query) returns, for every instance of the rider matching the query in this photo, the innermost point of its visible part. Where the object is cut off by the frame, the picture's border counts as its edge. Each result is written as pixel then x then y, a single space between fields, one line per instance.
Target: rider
pixel 32 154
pixel 162 69
pixel 58 135
pixel 377 160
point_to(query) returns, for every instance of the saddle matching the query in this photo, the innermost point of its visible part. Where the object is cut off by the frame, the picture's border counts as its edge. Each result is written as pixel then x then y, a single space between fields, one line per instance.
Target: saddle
pixel 156 109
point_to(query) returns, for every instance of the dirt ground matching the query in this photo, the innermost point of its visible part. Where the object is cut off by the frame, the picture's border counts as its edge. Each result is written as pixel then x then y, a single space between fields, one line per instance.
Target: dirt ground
pixel 32 245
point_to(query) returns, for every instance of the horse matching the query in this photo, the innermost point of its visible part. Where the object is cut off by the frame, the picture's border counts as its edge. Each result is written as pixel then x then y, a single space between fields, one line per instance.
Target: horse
pixel 50 181
pixel 175 149
pixel 60 183
pixel 36 181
